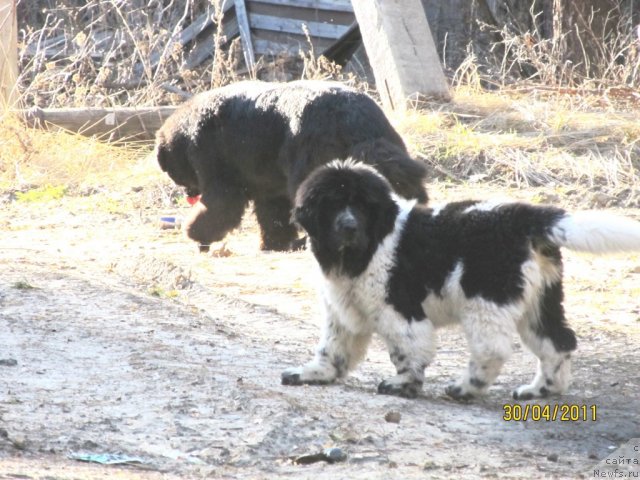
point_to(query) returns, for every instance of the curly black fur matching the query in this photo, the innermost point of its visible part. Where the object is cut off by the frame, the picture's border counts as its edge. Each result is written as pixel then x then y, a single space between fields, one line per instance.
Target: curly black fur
pixel 257 141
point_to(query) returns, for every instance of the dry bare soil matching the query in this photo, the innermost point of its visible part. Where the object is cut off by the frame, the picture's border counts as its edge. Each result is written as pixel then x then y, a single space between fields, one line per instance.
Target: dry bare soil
pixel 119 337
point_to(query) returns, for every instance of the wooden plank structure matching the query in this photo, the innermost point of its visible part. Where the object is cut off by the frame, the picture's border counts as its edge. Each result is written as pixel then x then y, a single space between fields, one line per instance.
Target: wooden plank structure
pixel 278 26
pixel 8 53
pixel 395 33
pixel 265 27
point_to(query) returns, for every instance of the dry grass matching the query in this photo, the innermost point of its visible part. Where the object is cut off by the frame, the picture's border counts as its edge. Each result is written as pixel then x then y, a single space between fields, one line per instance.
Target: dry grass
pixel 565 132
pixel 31 159
pixel 522 140
pixel 511 140
pixel 588 50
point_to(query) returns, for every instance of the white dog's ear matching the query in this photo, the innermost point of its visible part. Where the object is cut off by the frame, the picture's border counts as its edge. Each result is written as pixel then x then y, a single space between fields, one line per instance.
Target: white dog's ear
pixel 305 218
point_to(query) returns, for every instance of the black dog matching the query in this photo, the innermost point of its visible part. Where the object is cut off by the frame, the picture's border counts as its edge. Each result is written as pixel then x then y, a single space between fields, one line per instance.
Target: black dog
pixel 258 141
pixel 400 270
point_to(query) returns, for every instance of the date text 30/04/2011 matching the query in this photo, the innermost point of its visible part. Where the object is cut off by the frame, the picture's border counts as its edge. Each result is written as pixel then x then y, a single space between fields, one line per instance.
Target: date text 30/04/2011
pixel 549 413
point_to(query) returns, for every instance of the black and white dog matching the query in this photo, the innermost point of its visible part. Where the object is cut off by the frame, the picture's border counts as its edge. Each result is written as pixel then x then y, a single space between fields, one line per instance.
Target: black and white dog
pixel 402 270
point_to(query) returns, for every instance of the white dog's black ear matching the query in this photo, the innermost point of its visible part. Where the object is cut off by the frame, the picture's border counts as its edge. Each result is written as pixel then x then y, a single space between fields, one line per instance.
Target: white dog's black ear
pixel 305 218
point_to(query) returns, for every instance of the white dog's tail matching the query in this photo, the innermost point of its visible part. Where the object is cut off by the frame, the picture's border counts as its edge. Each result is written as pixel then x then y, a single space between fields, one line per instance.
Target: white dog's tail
pixel 596 232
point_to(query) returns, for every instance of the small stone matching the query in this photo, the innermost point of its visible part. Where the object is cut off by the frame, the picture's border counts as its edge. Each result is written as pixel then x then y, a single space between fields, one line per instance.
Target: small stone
pixel 600 200
pixel 19 442
pixel 329 455
pixel 335 454
pixel 553 457
pixel 8 362
pixel 430 465
pixel 393 417
pixel 90 445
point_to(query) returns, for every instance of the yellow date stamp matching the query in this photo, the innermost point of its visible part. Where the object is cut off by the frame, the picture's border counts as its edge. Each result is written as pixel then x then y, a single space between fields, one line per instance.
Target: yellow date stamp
pixel 549 413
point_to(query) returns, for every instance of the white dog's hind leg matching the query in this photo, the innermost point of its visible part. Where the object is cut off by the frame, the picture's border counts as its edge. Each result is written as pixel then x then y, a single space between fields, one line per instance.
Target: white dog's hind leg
pixel 553 374
pixel 489 329
pixel 339 352
pixel 546 332
pixel 411 347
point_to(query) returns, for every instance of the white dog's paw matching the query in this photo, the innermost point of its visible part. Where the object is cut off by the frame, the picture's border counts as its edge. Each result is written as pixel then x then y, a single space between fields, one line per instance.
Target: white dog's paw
pixel 529 392
pixel 465 391
pixel 401 386
pixel 312 374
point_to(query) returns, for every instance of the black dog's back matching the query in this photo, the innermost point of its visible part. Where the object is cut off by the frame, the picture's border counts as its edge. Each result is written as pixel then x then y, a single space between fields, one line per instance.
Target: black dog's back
pixel 334 122
pixel 257 141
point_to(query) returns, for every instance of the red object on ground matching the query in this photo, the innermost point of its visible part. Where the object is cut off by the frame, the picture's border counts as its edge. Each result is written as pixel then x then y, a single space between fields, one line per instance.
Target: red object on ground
pixel 193 200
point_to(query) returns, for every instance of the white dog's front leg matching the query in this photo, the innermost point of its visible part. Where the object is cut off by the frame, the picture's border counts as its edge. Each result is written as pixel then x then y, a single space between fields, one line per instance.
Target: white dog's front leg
pixel 339 352
pixel 411 347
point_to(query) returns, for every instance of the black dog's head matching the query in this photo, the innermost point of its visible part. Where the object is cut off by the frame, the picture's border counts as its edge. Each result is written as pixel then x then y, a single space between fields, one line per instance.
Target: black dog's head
pixel 347 209
pixel 172 154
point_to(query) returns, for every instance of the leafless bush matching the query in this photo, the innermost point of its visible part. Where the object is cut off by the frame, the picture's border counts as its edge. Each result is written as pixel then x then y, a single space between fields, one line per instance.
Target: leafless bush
pixel 135 52
pixel 140 52
pixel 586 53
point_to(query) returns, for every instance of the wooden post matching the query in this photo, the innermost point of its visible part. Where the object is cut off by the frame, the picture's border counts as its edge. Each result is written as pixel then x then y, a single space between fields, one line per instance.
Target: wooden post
pixel 245 34
pixel 401 51
pixel 8 53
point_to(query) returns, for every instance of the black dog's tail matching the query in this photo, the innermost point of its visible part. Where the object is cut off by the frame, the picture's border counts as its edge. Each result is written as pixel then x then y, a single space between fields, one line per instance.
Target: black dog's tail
pixel 406 175
pixel 595 232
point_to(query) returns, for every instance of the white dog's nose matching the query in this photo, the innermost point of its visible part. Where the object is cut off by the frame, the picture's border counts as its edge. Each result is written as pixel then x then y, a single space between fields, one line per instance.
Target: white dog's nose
pixel 346 223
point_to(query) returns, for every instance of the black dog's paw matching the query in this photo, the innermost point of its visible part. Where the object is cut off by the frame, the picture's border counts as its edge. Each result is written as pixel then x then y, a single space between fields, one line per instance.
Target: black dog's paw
pixel 457 393
pixel 404 390
pixel 298 244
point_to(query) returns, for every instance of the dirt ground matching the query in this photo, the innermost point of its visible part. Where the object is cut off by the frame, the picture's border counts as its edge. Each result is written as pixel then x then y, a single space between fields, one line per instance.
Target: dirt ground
pixel 119 337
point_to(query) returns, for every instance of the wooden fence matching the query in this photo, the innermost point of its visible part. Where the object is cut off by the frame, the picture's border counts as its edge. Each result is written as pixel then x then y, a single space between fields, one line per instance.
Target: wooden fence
pixel 268 28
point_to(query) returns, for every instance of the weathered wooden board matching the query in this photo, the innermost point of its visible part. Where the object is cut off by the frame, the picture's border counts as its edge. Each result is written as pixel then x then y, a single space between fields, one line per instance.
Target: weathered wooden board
pixel 124 124
pixel 204 45
pixel 288 25
pixel 8 53
pixel 335 5
pixel 401 51
pixel 245 34
pixel 274 43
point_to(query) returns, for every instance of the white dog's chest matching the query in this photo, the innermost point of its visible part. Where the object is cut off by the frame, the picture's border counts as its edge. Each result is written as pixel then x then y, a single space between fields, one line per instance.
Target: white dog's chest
pixel 357 304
